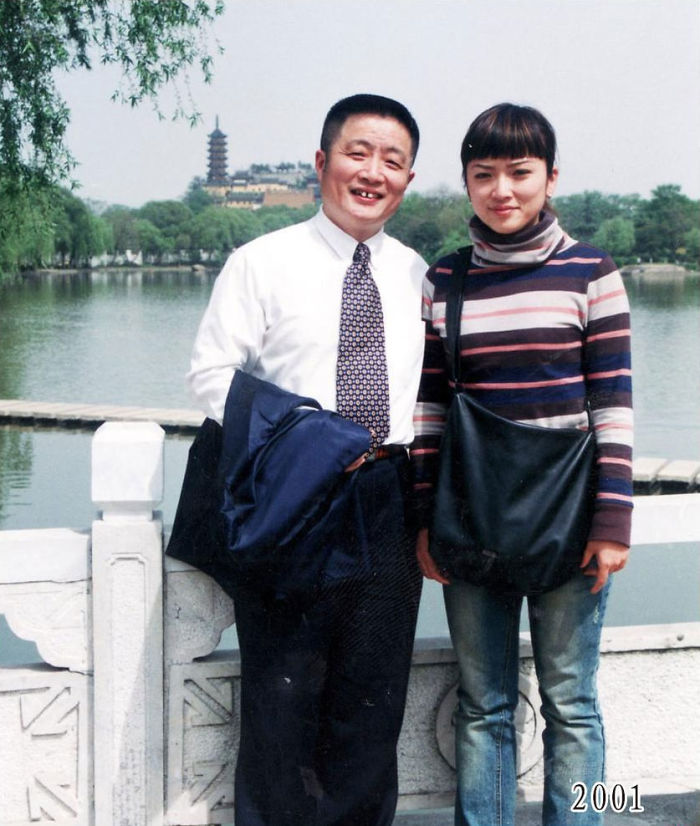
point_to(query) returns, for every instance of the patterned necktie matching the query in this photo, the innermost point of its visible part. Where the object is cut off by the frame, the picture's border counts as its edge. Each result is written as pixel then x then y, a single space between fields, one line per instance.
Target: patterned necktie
pixel 362 380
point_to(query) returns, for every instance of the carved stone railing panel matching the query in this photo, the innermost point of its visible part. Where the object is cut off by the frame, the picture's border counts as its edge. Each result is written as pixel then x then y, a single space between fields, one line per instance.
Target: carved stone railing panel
pixel 46 752
pixel 197 612
pixel 203 700
pixel 54 616
pixel 45 592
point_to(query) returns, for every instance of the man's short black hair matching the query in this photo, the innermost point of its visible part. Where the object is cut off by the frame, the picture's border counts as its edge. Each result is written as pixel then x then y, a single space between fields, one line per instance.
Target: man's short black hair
pixel 365 104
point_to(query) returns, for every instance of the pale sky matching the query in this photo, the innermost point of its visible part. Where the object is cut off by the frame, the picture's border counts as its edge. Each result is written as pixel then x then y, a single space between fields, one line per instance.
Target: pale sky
pixel 618 79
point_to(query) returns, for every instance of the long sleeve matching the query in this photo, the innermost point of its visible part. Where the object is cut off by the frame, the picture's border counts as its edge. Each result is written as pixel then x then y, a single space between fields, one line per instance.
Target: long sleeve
pixel 434 396
pixel 608 378
pixel 229 337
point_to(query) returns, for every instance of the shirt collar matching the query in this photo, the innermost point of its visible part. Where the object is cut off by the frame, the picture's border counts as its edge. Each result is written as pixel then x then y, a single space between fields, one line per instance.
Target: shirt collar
pixel 339 240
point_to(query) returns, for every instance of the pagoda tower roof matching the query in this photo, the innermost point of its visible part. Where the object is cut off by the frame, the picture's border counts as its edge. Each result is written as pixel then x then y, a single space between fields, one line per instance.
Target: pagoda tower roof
pixel 217 133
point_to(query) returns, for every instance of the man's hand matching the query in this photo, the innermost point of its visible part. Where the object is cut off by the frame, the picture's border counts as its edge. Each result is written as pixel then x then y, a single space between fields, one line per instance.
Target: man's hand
pixel 610 557
pixel 425 562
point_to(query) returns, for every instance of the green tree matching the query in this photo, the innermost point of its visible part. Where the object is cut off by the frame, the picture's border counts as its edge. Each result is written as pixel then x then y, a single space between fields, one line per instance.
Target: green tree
pixel 196 197
pixel 124 228
pixel 582 214
pixel 154 42
pixel 424 222
pixel 663 223
pixel 415 224
pixel 211 231
pixel 77 233
pixel 616 236
pixel 151 241
pixel 245 226
pixel 26 233
pixel 692 246
pixel 174 221
pixel 276 217
pixel 220 229
pixel 626 206
pixel 453 240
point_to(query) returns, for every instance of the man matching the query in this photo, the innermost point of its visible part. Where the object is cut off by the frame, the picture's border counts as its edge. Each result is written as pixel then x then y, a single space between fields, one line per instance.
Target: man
pixel 323 680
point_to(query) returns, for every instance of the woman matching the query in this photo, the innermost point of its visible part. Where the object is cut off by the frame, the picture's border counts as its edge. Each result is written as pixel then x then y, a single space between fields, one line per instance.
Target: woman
pixel 544 330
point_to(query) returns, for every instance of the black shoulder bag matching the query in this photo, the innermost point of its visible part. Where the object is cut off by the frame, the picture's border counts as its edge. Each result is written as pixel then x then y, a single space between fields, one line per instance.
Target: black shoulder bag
pixel 513 501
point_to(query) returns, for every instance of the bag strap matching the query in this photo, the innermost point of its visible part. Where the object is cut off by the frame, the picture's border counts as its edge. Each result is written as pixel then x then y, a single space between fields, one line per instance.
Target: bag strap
pixel 453 310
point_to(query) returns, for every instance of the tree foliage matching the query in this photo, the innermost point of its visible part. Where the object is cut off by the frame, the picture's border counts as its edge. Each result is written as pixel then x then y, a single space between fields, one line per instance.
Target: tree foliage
pixel 616 236
pixel 665 222
pixel 78 234
pixel 426 222
pixel 658 229
pixel 154 42
pixel 583 214
pixel 664 228
pixel 26 237
pixel 196 197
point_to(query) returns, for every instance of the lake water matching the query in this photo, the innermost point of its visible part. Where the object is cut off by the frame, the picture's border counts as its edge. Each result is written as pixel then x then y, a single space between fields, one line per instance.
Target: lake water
pixel 125 338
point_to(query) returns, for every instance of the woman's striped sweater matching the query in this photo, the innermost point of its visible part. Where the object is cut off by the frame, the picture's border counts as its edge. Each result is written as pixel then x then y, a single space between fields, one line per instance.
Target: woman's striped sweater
pixel 537 341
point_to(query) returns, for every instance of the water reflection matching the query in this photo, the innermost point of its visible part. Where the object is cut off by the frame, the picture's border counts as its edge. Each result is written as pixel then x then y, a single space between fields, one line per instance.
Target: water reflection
pixel 663 291
pixel 114 337
pixel 16 455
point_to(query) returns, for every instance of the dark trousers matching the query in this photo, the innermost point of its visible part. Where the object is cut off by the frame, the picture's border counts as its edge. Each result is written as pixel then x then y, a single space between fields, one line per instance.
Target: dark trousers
pixel 323 681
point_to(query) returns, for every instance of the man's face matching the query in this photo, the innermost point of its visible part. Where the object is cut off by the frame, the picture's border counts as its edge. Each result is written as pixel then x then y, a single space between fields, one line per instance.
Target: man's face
pixel 365 173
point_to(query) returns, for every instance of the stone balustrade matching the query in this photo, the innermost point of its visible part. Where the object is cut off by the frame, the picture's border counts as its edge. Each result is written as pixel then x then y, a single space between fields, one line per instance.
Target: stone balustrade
pixel 132 717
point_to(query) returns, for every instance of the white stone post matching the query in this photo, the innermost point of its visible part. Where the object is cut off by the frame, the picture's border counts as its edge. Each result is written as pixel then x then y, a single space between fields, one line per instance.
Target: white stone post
pixel 127 482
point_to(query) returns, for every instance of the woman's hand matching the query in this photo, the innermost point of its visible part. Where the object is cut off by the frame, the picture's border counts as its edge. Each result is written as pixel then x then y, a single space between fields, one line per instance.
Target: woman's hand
pixel 425 562
pixel 610 557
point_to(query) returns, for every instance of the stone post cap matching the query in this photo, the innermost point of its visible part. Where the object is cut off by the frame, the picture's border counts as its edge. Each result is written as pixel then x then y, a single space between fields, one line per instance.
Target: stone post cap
pixel 127 469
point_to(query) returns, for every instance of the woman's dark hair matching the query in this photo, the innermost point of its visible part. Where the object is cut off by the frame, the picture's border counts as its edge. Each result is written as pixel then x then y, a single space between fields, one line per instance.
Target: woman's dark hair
pixel 509 131
pixel 365 104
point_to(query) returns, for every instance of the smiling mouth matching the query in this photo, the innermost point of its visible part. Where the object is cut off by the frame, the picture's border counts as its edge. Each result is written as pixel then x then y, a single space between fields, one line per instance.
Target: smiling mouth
pixel 373 196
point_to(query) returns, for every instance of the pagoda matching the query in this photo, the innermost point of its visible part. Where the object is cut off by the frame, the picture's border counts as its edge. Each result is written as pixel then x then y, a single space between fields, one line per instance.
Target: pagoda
pixel 286 184
pixel 217 174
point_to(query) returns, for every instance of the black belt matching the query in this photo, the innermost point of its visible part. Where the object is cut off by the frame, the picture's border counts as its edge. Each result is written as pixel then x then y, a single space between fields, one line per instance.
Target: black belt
pixel 385 451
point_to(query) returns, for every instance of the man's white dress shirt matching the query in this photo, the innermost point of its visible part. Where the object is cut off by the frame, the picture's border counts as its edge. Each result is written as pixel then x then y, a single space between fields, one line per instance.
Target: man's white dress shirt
pixel 274 312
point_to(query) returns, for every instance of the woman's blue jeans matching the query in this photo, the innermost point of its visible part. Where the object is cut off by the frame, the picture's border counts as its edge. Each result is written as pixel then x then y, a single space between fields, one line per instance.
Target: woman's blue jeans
pixel 565 625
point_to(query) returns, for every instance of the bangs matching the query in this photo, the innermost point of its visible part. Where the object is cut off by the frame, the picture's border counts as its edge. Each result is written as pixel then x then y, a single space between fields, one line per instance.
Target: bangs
pixel 509 131
pixel 507 142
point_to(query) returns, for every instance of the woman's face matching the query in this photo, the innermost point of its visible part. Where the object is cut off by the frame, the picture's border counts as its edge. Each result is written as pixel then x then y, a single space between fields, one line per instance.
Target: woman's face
pixel 508 194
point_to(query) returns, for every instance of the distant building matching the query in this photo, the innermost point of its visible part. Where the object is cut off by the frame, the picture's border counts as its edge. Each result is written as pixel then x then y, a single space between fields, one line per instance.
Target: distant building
pixel 217 174
pixel 286 184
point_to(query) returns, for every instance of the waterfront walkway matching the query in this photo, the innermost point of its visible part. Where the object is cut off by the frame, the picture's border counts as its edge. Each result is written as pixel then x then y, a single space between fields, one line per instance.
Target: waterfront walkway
pixel 91 416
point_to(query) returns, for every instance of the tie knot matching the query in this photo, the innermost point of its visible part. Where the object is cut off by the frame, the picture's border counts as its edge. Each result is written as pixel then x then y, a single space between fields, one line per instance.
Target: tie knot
pixel 361 254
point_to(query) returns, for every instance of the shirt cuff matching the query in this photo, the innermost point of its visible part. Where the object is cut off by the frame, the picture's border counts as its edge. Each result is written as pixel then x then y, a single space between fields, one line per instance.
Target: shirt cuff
pixel 611 523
